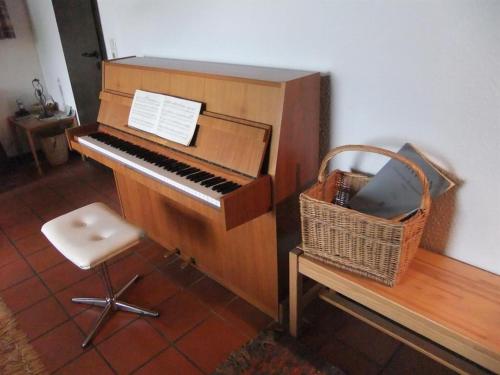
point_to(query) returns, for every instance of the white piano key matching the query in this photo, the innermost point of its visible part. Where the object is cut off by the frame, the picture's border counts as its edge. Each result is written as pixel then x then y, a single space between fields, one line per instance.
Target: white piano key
pixel 178 182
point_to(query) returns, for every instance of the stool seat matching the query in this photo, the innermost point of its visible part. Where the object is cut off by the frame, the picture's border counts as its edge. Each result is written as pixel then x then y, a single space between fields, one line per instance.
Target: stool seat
pixel 88 237
pixel 91 235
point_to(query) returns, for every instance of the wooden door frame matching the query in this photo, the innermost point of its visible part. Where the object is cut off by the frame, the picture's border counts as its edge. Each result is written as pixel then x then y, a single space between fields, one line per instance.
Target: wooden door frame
pixel 98 29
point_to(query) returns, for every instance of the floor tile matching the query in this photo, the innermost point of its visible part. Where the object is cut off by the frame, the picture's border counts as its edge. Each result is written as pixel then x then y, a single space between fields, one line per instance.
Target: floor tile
pixel 246 318
pixel 23 229
pixel 14 272
pixel 5 243
pixel 169 362
pixel 179 314
pixel 376 345
pixel 39 194
pixel 122 271
pixel 14 213
pixel 87 319
pixel 155 254
pixel 80 191
pixel 32 243
pixel 409 361
pixel 49 199
pixel 150 290
pixel 57 210
pixel 41 317
pixel 50 206
pixel 89 363
pixel 59 346
pixel 142 343
pixel 63 275
pixel 320 323
pixel 211 293
pixel 179 273
pixel 347 359
pixel 9 217
pixel 210 343
pixel 89 287
pixel 24 294
pixel 8 253
pixel 45 258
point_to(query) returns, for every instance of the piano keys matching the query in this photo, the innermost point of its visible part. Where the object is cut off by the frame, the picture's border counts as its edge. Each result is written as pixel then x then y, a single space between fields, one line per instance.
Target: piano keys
pixel 228 202
pixel 188 179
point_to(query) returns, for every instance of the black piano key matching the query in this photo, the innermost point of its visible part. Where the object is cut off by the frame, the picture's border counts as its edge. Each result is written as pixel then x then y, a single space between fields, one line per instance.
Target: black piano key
pixel 179 166
pixel 205 176
pixel 199 176
pixel 170 165
pixel 220 187
pixel 187 171
pixel 231 188
pixel 213 181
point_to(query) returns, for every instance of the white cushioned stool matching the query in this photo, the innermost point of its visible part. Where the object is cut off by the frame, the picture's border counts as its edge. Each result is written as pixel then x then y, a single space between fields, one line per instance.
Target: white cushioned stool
pixel 88 237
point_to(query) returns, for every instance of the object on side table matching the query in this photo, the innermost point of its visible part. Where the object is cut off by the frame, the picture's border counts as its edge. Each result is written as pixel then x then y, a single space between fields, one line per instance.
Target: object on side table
pixel 42 99
pixel 21 111
pixel 375 247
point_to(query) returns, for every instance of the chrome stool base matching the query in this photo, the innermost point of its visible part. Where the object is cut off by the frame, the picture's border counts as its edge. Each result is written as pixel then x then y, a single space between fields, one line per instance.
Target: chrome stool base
pixel 111 303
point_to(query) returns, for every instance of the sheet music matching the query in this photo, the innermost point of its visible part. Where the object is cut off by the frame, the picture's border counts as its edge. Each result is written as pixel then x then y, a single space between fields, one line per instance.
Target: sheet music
pixel 145 111
pixel 178 119
pixel 166 116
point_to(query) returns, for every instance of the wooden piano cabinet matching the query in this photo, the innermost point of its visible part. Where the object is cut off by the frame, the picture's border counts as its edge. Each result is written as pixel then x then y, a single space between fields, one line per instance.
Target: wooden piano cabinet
pixel 259 127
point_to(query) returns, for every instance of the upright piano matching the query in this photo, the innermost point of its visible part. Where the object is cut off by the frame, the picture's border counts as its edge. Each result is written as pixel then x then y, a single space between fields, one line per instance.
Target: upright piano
pixel 228 202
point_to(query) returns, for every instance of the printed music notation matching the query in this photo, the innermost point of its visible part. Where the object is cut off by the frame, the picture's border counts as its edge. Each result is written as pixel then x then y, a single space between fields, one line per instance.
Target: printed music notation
pixel 166 116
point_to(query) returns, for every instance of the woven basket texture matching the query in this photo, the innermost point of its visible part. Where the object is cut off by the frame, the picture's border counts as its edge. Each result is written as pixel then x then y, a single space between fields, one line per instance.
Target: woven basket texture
pixel 377 248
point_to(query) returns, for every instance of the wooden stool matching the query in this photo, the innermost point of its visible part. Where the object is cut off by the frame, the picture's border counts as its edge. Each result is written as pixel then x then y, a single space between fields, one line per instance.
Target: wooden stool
pixel 88 237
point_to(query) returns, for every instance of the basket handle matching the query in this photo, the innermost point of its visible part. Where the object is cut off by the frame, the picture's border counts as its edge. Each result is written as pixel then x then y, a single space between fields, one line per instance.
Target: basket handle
pixel 426 197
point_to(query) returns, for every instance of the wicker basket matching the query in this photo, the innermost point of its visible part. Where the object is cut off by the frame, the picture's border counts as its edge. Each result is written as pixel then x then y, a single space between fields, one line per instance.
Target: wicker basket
pixel 377 248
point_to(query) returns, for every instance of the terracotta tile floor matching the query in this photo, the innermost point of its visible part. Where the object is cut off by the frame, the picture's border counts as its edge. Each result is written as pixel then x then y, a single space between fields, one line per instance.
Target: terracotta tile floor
pixel 201 322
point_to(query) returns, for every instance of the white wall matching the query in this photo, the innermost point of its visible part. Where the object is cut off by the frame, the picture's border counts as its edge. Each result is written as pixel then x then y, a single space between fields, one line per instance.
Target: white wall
pixel 50 52
pixel 426 72
pixel 18 66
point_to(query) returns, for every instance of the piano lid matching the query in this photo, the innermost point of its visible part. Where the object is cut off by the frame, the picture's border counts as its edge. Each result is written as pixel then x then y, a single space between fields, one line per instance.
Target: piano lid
pixel 257 73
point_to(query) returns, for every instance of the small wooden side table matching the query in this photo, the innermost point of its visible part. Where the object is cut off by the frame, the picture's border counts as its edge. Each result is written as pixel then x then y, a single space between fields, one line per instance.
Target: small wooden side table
pixel 32 125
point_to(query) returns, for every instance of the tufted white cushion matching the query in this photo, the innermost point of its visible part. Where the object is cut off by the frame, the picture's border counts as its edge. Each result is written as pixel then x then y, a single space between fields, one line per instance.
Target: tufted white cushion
pixel 91 235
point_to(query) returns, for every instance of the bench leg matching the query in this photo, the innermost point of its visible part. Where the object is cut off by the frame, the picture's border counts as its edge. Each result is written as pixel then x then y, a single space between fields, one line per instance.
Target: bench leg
pixel 295 292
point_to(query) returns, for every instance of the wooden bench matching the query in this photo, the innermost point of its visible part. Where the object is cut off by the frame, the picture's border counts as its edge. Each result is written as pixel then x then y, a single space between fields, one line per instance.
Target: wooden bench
pixel 439 301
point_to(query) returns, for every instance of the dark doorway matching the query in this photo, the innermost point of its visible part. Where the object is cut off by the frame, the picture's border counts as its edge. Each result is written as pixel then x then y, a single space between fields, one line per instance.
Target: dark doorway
pixel 81 37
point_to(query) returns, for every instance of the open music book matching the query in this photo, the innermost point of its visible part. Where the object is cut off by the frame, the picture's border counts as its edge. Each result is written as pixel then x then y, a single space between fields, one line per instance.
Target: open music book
pixel 165 116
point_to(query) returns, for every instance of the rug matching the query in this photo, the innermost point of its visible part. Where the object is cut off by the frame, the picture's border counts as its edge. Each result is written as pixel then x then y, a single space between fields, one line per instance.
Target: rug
pixel 17 356
pixel 275 352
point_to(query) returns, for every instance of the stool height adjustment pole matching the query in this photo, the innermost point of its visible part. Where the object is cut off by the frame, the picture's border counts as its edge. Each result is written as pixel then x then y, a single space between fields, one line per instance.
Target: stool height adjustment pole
pixel 107 284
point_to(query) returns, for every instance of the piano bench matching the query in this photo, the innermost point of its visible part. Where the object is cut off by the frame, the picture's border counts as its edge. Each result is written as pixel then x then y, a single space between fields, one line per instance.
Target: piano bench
pixel 88 237
pixel 439 301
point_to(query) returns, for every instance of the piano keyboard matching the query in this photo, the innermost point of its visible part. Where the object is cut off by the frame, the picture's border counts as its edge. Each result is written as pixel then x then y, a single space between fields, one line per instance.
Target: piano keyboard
pixel 186 178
